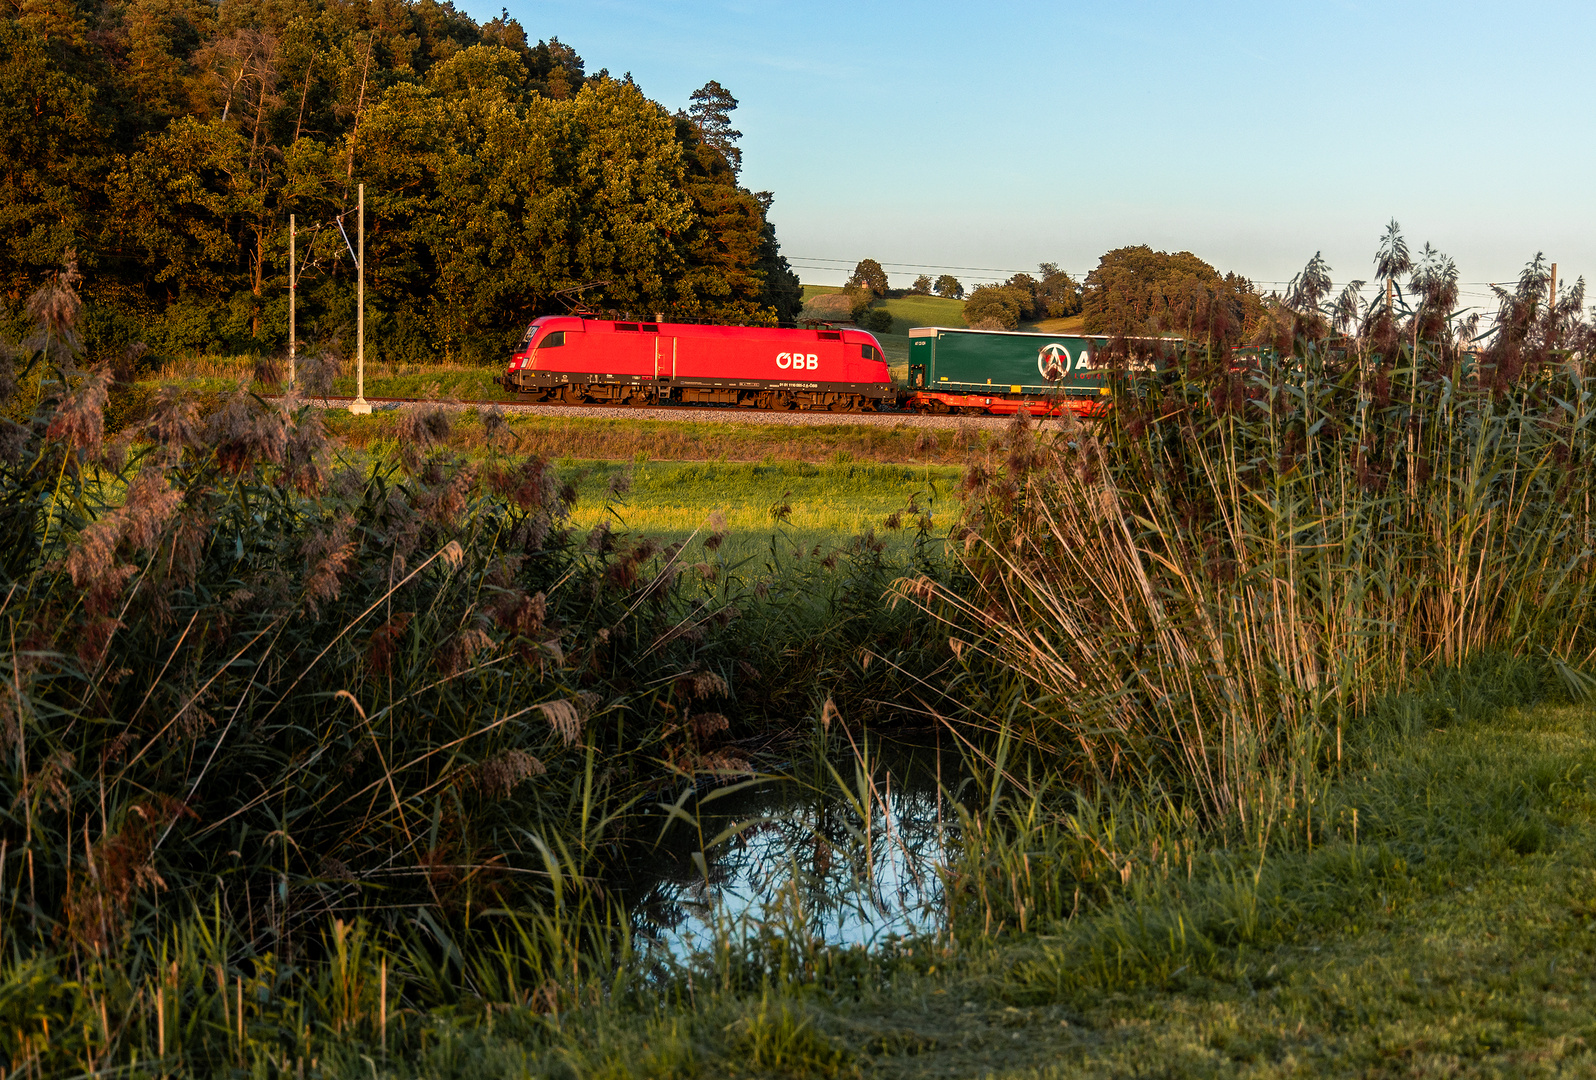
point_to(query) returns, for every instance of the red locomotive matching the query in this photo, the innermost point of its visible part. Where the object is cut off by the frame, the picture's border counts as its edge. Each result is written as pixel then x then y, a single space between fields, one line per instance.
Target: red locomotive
pixel 574 359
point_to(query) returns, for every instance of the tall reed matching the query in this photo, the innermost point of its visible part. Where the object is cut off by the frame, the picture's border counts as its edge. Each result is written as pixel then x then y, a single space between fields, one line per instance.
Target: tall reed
pixel 1200 594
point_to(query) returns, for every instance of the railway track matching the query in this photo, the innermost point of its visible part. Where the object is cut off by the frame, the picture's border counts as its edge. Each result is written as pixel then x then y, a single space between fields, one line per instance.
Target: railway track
pixel 687 413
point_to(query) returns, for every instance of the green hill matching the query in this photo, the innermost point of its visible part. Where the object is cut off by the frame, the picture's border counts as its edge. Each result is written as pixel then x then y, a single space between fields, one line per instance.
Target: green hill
pixel 907 313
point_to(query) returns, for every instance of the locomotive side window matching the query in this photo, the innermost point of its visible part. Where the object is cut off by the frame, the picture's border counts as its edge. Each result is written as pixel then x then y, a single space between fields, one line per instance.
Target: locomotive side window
pixel 553 340
pixel 871 353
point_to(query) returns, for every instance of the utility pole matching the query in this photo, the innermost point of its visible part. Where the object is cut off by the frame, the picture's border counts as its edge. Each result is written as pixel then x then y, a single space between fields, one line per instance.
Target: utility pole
pixel 360 406
pixel 291 286
pixel 1551 299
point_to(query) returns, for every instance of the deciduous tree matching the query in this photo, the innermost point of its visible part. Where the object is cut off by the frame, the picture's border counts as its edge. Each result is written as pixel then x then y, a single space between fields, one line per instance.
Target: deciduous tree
pixel 869 275
pixel 1136 290
pixel 1002 305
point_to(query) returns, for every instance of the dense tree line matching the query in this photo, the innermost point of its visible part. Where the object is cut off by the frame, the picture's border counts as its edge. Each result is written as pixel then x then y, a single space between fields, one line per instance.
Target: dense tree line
pixel 1050 294
pixel 167 142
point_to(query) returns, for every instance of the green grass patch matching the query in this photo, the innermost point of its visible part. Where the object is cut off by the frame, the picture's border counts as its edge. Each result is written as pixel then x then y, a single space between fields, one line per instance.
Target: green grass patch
pixel 825 505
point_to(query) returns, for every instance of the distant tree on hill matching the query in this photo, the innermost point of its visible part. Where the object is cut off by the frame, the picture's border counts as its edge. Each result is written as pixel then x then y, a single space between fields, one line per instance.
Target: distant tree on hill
pixel 1057 294
pixel 711 109
pixel 1054 295
pixel 869 275
pixel 1024 288
pixel 922 285
pixel 1136 290
pixel 1001 304
pixel 948 286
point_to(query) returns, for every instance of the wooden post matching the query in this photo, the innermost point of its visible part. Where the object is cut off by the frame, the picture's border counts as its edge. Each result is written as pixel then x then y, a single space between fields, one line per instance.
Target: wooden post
pixel 1551 299
pixel 291 287
pixel 360 406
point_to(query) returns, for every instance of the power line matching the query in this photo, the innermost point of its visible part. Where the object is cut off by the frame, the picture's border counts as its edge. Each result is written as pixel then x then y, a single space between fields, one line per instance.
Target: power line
pixel 849 264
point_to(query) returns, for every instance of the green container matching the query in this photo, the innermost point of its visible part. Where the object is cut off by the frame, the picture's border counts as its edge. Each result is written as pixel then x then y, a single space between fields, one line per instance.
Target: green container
pixel 1002 362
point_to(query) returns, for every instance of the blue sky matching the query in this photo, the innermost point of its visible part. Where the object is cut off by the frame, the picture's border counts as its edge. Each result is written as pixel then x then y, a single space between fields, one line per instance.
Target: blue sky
pixel 1003 134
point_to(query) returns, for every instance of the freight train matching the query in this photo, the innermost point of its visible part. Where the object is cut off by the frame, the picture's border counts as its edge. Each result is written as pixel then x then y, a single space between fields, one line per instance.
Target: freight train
pixel 573 359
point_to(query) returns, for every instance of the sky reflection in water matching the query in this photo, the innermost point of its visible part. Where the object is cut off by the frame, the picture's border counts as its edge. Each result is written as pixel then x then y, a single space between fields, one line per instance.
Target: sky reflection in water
pixel 851 863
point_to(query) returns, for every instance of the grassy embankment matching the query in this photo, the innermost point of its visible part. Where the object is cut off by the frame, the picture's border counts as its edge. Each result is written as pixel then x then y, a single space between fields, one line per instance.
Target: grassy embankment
pixel 221 374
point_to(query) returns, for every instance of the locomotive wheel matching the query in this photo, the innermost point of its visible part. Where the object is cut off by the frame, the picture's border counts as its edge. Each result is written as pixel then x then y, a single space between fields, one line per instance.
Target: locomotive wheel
pixel 571 394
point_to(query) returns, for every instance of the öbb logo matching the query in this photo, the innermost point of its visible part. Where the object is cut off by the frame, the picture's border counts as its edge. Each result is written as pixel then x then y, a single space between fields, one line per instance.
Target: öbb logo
pixel 797 361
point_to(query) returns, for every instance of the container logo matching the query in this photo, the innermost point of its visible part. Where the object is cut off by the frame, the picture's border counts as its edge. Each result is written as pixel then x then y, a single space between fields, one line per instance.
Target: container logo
pixel 1053 361
pixel 797 361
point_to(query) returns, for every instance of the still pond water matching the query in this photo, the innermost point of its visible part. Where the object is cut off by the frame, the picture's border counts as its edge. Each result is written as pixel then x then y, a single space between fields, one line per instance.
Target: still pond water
pixel 845 853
